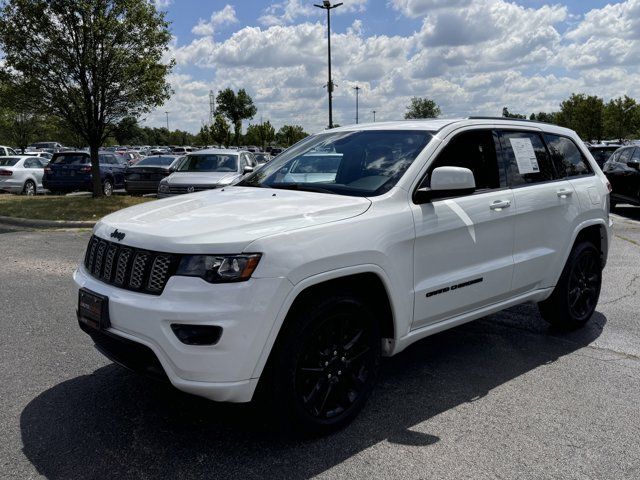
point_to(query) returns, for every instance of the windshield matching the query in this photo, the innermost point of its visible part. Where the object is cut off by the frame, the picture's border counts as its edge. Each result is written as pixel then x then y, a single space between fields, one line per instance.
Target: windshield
pixel 364 163
pixel 215 162
pixel 156 162
pixel 73 159
pixel 8 162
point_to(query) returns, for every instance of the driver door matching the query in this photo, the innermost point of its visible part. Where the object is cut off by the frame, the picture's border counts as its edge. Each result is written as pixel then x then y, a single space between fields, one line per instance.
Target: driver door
pixel 463 251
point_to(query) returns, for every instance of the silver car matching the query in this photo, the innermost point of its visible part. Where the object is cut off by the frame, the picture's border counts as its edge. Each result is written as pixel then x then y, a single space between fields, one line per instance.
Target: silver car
pixel 21 174
pixel 206 170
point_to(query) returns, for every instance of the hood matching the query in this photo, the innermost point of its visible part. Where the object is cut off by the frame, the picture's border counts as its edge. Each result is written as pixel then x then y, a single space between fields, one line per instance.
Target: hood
pixel 201 178
pixel 225 220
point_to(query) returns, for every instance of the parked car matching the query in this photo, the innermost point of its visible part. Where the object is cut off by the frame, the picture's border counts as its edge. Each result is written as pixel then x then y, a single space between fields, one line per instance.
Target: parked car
pixel 275 151
pixel 205 170
pixel 601 152
pixel 623 171
pixel 181 150
pixel 296 290
pixel 70 171
pixel 51 147
pixel 21 174
pixel 45 157
pixel 7 151
pixel 145 176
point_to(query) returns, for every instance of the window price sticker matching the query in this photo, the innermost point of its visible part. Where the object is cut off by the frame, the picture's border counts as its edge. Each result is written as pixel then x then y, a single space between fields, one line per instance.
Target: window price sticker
pixel 525 156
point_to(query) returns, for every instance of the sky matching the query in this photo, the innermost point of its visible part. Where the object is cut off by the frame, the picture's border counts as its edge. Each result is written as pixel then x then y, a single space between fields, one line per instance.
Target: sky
pixel 472 57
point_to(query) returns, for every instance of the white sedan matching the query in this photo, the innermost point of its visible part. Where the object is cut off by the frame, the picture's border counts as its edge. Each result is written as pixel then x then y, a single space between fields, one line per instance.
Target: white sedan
pixel 21 174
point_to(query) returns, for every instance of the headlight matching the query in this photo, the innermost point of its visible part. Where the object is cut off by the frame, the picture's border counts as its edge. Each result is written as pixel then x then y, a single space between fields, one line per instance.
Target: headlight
pixel 219 268
pixel 163 188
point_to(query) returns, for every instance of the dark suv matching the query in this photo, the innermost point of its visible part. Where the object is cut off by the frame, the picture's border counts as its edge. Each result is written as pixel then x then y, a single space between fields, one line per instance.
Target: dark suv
pixel 71 171
pixel 623 172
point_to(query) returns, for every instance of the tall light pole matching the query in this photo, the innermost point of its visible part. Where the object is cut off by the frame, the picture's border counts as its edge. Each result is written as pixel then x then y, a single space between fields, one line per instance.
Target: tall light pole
pixel 374 115
pixel 357 89
pixel 167 114
pixel 326 5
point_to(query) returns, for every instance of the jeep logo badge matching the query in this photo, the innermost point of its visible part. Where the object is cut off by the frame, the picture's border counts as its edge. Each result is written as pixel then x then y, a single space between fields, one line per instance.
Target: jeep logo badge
pixel 118 235
pixel 190 189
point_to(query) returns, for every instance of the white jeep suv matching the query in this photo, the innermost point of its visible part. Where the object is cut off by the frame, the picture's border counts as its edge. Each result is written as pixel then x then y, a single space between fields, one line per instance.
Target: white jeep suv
pixel 291 287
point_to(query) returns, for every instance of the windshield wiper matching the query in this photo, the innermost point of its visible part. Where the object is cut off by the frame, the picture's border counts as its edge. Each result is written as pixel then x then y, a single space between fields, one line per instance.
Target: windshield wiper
pixel 304 187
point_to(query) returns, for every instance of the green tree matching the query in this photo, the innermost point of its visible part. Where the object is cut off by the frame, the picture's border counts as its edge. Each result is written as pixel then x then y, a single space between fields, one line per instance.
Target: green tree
pixel 203 137
pixel 507 114
pixel 290 134
pixel 544 117
pixel 621 118
pixel 236 107
pixel 128 132
pixel 584 114
pixel 221 131
pixel 422 108
pixel 260 134
pixel 90 62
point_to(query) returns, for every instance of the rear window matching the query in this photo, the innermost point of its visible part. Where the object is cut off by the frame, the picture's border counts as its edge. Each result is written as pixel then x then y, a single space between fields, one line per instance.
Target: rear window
pixel 70 159
pixel 566 156
pixel 156 161
pixel 8 161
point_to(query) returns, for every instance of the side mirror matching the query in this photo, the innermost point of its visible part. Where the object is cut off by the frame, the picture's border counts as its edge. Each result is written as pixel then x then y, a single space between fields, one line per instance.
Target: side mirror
pixel 446 182
pixel 247 169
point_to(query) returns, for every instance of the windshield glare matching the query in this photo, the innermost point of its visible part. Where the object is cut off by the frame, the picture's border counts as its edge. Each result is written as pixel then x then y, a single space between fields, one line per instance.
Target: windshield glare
pixel 219 162
pixel 363 163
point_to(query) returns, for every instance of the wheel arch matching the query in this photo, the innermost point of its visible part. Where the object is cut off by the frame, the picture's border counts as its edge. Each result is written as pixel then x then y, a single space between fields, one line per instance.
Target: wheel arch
pixel 370 281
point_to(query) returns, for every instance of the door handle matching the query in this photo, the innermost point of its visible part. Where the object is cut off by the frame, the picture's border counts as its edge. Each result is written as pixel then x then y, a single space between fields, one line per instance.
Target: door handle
pixel 564 193
pixel 500 204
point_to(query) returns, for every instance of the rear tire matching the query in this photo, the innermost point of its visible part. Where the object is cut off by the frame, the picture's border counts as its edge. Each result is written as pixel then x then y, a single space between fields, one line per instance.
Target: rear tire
pixel 107 188
pixel 324 366
pixel 575 297
pixel 29 188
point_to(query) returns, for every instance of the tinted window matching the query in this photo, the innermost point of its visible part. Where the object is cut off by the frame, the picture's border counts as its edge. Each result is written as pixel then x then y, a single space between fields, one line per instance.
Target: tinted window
pixel 370 162
pixel 475 150
pixel 70 159
pixel 156 161
pixel 32 163
pixel 8 162
pixel 527 158
pixel 566 156
pixel 220 162
pixel 625 155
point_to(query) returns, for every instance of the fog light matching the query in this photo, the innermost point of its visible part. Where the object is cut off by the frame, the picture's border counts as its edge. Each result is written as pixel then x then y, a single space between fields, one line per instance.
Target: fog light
pixel 197 334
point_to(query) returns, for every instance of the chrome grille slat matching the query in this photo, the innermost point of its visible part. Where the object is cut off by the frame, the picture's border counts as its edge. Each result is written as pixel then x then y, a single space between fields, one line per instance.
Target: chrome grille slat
pixel 128 267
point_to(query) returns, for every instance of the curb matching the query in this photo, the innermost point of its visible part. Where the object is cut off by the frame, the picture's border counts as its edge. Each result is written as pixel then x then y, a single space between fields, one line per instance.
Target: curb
pixel 32 223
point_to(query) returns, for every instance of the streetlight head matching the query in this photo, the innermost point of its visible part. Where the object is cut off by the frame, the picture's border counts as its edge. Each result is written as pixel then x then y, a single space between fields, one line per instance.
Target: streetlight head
pixel 326 3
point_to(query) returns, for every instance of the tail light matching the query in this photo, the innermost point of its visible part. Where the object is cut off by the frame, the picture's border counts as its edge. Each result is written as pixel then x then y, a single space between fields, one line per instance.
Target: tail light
pixel 609 187
pixel 85 169
pixel 47 170
pixel 5 173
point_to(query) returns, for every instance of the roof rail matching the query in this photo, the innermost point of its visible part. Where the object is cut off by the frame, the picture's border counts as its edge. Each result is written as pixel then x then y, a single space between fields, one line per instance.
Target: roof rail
pixel 506 118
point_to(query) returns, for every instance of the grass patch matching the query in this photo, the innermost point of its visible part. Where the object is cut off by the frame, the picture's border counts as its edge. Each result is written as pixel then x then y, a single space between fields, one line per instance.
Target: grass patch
pixel 65 208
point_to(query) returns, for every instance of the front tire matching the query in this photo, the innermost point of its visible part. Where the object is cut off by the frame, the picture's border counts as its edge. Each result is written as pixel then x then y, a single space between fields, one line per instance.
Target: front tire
pixel 325 365
pixel 29 188
pixel 575 297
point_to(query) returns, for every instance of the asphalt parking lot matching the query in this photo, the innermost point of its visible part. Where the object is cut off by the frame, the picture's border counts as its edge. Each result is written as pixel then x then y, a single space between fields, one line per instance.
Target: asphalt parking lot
pixel 503 397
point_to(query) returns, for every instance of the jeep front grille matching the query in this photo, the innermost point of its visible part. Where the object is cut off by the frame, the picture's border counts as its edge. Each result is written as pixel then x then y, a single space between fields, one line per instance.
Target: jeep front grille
pixel 129 268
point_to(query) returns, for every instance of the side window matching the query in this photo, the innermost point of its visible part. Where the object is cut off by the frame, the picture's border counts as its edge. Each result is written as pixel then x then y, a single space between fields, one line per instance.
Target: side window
pixel 11 151
pixel 31 163
pixel 566 156
pixel 625 155
pixel 3 153
pixel 636 155
pixel 615 156
pixel 526 158
pixel 475 150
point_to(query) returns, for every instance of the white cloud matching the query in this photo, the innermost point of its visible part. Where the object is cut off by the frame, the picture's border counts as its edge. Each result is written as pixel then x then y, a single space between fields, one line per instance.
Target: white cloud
pixel 226 16
pixel 288 11
pixel 471 60
pixel 162 4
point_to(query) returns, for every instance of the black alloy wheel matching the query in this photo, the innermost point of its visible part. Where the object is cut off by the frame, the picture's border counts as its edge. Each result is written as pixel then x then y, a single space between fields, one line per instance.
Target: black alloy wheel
pixel 336 363
pixel 584 285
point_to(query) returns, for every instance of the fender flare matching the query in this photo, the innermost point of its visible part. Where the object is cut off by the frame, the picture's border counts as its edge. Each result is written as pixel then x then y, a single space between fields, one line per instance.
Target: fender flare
pixel 310 281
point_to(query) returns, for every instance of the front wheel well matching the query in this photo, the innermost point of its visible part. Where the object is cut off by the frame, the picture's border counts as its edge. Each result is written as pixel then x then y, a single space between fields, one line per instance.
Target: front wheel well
pixel 367 286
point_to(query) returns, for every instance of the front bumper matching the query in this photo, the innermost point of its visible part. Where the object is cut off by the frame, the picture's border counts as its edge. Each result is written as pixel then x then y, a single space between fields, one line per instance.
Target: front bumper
pixel 246 311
